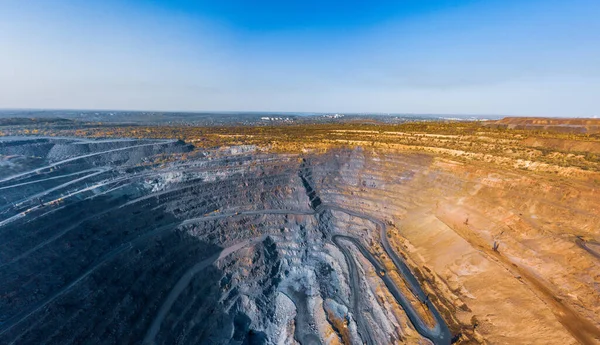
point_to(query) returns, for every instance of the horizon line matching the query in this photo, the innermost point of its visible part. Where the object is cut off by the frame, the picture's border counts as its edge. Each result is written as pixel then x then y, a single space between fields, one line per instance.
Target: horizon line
pixel 307 113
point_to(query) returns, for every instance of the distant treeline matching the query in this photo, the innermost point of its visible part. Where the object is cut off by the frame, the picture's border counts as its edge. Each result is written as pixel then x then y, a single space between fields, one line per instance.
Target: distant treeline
pixel 22 121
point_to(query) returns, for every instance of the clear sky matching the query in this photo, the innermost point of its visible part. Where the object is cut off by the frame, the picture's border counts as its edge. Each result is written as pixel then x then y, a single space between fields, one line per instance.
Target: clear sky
pixel 525 57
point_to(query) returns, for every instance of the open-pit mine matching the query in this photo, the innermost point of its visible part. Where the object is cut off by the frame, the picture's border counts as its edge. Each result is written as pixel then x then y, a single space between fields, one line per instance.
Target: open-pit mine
pixel 332 234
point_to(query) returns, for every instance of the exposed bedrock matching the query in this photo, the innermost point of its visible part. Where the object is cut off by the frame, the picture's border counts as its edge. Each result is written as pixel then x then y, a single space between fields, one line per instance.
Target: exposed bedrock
pixel 154 244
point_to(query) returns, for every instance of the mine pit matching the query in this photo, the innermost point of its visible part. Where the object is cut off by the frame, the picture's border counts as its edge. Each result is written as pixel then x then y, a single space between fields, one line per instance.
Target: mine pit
pixel 122 241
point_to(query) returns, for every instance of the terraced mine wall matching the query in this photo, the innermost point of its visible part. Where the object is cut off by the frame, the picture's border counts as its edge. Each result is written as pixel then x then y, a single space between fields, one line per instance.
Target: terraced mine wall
pixel 156 242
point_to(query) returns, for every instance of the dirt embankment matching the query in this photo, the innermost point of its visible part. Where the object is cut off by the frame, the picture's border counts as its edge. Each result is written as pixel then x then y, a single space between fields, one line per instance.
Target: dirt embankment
pixel 562 125
pixel 527 226
pixel 564 145
pixel 495 246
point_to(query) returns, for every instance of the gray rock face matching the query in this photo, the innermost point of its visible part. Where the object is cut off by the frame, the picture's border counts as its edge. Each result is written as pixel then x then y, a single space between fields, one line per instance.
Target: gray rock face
pixel 106 243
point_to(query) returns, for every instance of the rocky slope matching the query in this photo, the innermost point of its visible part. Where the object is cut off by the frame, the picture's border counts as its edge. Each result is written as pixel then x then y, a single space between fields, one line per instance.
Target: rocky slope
pixel 149 242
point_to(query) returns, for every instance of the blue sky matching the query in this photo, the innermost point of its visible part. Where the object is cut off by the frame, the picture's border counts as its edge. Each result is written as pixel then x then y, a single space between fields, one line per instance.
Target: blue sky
pixel 527 57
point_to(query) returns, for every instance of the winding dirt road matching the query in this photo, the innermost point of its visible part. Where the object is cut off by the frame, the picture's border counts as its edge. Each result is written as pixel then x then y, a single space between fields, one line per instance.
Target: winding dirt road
pixel 439 334
pixel 363 330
